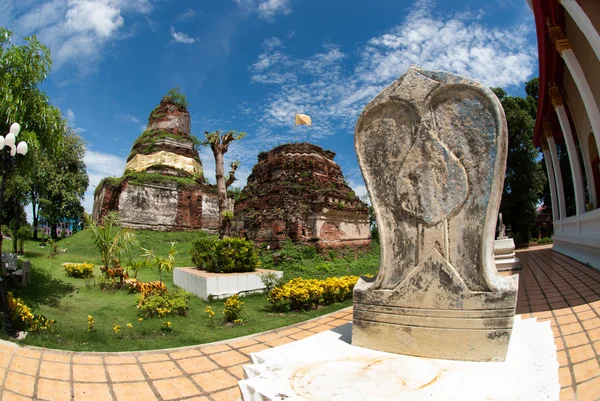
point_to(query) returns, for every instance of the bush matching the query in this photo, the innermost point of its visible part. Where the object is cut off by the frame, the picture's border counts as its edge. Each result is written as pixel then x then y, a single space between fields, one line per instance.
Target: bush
pixel 229 255
pixel 545 240
pixel 203 252
pixel 23 234
pixel 79 270
pixel 23 319
pixel 234 310
pixel 271 280
pixel 162 304
pixel 301 293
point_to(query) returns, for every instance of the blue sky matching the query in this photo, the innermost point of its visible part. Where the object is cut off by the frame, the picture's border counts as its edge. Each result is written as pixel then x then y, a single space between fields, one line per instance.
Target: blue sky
pixel 250 65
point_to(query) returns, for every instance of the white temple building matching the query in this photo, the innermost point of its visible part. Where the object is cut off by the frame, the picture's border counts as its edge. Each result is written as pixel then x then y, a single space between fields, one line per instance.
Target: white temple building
pixel 568 121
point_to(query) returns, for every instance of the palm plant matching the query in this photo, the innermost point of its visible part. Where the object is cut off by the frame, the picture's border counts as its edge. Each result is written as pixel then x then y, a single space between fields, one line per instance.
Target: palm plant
pixel 111 239
pixel 162 263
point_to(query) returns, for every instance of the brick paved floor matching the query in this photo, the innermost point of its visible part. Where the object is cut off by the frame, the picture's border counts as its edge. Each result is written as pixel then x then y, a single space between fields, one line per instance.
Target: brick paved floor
pixel 552 287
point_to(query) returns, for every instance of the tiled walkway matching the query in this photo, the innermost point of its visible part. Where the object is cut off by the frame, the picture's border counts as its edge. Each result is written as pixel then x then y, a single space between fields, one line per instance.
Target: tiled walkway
pixel 552 287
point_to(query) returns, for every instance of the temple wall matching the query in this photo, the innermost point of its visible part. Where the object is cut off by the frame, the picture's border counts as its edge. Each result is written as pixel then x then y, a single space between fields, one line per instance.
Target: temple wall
pixel 338 225
pixel 150 207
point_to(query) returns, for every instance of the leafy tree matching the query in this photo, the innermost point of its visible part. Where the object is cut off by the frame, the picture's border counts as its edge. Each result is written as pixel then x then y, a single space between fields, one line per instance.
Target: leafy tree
pixel 372 219
pixel 63 181
pixel 219 144
pixel 23 68
pixel 525 179
pixel 111 239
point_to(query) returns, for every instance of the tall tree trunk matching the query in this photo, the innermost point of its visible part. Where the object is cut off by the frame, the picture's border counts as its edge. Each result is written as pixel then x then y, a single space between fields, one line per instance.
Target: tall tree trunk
pixel 221 189
pixel 16 226
pixel 35 216
pixel 53 233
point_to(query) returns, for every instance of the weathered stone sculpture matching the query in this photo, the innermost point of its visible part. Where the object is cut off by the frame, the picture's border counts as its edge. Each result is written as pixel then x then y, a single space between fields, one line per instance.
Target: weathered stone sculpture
pixel 432 149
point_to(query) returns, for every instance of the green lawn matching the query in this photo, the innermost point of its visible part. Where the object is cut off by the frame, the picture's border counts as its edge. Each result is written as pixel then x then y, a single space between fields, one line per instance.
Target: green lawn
pixel 69 300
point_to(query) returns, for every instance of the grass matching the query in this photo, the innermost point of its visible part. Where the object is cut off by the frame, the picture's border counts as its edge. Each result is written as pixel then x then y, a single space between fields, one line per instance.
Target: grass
pixel 70 300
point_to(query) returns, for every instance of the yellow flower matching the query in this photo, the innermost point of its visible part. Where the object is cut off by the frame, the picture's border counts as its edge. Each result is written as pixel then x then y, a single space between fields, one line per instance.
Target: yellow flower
pixel 116 328
pixel 208 310
pixel 140 319
pixel 129 326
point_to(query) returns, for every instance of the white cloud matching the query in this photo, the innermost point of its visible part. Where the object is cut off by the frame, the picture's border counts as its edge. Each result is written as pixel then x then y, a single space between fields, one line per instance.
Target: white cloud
pixel 76 31
pixel 326 87
pixel 187 15
pixel 70 116
pixel 100 165
pixel 266 9
pixel 180 37
pixel 128 118
pixel 93 17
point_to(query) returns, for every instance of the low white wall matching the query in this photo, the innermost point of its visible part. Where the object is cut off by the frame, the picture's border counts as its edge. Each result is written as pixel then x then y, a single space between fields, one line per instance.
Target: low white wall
pixel 219 285
pixel 579 237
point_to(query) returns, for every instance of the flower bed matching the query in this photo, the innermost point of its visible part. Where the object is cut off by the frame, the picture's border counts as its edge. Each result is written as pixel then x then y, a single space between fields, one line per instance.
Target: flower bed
pixel 299 293
pixel 79 270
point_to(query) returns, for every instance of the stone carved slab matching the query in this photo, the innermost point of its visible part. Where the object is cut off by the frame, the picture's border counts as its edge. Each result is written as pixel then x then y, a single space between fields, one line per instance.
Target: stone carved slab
pixel 432 149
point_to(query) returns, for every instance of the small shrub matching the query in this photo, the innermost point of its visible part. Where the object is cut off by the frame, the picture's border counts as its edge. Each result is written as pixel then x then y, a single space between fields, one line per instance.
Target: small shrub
pixel 54 246
pixel 211 314
pixel 545 240
pixel 108 283
pixel 271 280
pixel 79 270
pixel 23 234
pixel 301 293
pixel 166 326
pixel 203 252
pixel 164 303
pixel 234 310
pixel 23 319
pixel 229 255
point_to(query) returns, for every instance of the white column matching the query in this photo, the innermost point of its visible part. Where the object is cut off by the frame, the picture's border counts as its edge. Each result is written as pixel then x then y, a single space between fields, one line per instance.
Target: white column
pixel 551 182
pixel 563 46
pixel 573 158
pixel 583 22
pixel 560 189
pixel 589 172
pixel 589 102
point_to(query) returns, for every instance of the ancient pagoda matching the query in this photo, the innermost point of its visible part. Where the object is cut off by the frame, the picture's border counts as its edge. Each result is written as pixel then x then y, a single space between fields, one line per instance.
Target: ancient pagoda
pixel 297 192
pixel 163 187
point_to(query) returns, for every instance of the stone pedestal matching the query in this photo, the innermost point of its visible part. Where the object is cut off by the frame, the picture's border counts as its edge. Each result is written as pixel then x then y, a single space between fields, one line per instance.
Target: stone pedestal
pixel 504 255
pixel 326 368
pixel 432 150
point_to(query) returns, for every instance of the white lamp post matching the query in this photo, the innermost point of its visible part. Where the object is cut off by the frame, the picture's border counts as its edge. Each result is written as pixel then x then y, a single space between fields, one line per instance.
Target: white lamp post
pixel 8 142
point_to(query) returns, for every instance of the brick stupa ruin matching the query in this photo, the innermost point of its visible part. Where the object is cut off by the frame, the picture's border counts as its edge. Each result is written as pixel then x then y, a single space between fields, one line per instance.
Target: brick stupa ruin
pixel 163 186
pixel 297 192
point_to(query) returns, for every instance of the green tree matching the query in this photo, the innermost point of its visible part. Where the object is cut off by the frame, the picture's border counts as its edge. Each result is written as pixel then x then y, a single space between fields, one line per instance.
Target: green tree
pixel 63 181
pixel 219 144
pixel 524 180
pixel 22 69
